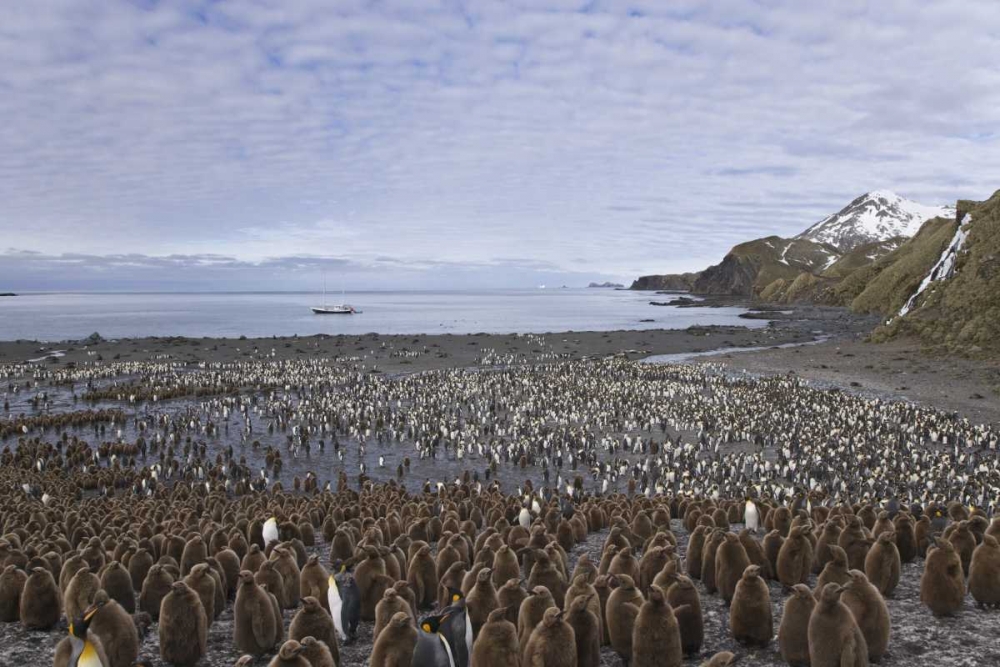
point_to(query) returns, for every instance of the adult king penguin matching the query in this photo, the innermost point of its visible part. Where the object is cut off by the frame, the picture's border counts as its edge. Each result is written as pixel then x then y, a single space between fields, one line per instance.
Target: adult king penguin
pixel 84 651
pixel 751 516
pixel 270 531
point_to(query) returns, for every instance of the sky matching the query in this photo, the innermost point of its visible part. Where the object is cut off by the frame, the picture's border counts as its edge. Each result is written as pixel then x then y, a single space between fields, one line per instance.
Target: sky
pixel 450 144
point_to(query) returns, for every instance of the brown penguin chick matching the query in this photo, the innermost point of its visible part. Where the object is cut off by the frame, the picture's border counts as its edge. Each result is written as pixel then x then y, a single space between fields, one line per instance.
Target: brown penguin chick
pixel 253 560
pixel 882 524
pixel 793 633
pixel 781 520
pixel 314 580
pixel 870 613
pixel 505 566
pixel 117 582
pixel 317 653
pixel 828 537
pixel 11 584
pixel 138 568
pixel 256 630
pixel 446 555
pixel 772 544
pixel 651 564
pixel 624 562
pixel 835 640
pixel 695 549
pixel 942 584
pixel 510 596
pixel 656 638
pixel 586 629
pixel 795 558
pixel 183 626
pixel 552 643
pixel 116 630
pixel 394 645
pixel 288 568
pixel 755 552
pixel 289 655
pixel 720 659
pixel 731 561
pixel 922 531
pixel 855 542
pixel 984 573
pixel 279 619
pixel 623 608
pixel 229 563
pixel 581 587
pixel 882 564
pixel 195 551
pixel 603 587
pixel 40 606
pixel 906 538
pixel 496 645
pixel 202 583
pixel 545 573
pixel 404 591
pixel 422 577
pixel 80 593
pixel 965 543
pixel 70 567
pixel 750 613
pixel 314 621
pixel 387 607
pixel 453 579
pixel 531 613
pixel 154 588
pixel 94 554
pixel 269 576
pixel 585 567
pixel 683 597
pixel 481 600
pixel 712 543
pixel 608 555
pixel 834 572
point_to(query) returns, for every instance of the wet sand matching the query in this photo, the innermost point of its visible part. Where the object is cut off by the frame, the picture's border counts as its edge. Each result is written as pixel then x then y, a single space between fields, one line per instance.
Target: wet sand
pixel 898 370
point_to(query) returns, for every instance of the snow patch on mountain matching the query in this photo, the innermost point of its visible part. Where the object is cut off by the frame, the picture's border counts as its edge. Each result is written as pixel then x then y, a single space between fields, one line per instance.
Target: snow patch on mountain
pixel 876 216
pixel 945 266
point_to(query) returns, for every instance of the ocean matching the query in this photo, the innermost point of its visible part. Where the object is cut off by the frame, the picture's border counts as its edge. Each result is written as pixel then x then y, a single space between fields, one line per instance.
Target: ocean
pixel 71 316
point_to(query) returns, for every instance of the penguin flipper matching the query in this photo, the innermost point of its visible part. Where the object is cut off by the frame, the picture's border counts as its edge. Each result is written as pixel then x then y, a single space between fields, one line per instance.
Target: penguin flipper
pixel 263 629
pixel 885 570
pixel 850 651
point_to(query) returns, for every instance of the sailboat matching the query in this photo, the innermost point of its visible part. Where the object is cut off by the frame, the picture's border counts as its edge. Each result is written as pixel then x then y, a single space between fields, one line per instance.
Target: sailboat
pixel 336 309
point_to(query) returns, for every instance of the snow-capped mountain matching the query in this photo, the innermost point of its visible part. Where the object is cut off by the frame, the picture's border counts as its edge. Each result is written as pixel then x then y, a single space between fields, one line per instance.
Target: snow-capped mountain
pixel 875 216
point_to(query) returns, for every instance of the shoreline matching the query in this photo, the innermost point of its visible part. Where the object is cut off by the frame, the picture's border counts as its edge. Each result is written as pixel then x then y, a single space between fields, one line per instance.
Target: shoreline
pixel 435 350
pixel 825 346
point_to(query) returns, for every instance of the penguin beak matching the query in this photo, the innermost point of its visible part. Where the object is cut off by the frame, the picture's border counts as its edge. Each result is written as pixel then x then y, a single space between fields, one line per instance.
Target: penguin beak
pixel 90 611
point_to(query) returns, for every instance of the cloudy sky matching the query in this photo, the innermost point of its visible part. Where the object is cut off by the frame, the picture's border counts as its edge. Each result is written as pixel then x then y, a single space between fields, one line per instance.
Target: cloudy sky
pixel 437 143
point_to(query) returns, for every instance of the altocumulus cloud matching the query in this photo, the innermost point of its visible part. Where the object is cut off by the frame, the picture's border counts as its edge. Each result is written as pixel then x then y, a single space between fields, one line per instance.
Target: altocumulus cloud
pixel 419 142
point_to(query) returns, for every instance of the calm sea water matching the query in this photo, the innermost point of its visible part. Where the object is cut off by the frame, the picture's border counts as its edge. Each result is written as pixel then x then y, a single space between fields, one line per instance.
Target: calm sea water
pixel 71 316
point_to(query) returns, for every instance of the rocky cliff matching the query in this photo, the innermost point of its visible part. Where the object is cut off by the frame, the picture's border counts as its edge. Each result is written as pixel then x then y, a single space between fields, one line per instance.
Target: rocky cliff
pixel 677 282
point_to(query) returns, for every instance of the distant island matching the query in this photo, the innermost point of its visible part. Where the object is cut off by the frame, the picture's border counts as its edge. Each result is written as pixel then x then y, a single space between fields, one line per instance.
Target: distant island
pixel 608 285
pixel 7 294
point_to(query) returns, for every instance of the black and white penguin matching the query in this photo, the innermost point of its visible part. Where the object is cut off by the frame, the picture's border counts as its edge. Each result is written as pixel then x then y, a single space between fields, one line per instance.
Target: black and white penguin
pixel 457 629
pixel 345 605
pixel 433 648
